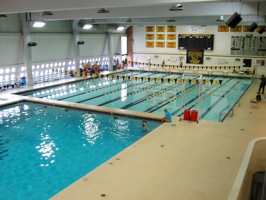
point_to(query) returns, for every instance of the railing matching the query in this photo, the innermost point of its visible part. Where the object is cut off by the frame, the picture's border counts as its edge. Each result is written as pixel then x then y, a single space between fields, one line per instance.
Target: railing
pixel 264 187
pixel 49 77
pixel 232 110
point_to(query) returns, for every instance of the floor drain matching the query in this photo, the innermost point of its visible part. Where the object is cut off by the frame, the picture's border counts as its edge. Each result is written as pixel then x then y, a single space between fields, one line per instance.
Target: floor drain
pixel 118 159
pixel 228 157
pixel 242 129
pixel 162 145
pixel 103 195
pixel 250 112
pixel 110 163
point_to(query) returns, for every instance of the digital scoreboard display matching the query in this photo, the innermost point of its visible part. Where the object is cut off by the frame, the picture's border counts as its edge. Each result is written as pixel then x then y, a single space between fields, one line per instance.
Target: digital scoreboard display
pixel 195 41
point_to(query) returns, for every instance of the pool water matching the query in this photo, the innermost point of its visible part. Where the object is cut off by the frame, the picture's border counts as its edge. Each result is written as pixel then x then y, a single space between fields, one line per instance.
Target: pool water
pixel 45 149
pixel 152 92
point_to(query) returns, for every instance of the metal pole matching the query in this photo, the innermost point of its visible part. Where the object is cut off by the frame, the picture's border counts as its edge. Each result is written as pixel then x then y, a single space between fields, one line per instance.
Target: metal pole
pixel 27 50
pixel 110 50
pixel 239 93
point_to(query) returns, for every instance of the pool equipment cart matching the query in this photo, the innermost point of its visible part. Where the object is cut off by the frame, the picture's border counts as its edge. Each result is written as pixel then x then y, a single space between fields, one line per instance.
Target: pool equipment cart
pixel 194 114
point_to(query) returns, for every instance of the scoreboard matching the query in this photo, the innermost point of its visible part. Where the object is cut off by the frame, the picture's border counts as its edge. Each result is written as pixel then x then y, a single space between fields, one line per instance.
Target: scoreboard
pixel 195 41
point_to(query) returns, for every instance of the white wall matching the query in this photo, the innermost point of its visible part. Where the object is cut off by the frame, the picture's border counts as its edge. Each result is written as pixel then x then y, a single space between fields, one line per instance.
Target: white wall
pixel 222 45
pixel 9 48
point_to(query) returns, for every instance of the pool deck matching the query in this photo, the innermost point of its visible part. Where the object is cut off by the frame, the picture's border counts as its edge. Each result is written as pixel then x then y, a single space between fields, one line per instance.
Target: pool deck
pixel 187 161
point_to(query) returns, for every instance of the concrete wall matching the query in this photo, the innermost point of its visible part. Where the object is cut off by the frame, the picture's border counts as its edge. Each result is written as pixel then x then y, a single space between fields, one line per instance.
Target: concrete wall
pixel 254 161
pixel 222 45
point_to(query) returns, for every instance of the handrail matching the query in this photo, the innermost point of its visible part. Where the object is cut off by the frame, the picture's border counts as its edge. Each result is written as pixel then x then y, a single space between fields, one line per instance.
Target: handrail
pixel 220 114
pixel 264 187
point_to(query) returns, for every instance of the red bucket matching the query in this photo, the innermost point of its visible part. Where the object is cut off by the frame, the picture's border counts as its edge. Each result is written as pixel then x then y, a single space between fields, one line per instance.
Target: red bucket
pixel 186 114
pixel 194 116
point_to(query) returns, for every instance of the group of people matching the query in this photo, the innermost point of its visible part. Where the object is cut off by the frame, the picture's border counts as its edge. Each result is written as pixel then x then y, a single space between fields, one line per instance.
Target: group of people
pixel 117 63
pixel 167 118
pixel 87 68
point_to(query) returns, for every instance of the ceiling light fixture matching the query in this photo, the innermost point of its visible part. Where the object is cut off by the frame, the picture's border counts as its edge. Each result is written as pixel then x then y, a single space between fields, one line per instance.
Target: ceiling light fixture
pixel 120 28
pixel 220 18
pixel 87 26
pixel 177 7
pixel 38 24
pixel 103 10
pixel 46 13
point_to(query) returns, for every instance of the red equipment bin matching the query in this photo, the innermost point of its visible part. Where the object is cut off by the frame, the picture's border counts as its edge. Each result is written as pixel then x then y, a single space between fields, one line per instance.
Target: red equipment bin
pixel 186 114
pixel 194 116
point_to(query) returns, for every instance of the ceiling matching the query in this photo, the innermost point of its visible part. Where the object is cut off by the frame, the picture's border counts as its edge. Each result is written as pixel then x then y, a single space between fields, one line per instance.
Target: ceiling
pixel 141 12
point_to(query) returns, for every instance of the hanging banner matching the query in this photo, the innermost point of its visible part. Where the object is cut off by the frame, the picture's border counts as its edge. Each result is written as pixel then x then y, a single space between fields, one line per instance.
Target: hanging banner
pixel 132 78
pixel 110 77
pixel 193 81
pixel 195 56
pixel 216 82
pixel 179 80
pixel 120 77
pixel 126 77
pixel 158 80
pixel 145 78
pixel 165 80
pixel 100 76
pixel 172 80
pixel 208 81
pixel 115 76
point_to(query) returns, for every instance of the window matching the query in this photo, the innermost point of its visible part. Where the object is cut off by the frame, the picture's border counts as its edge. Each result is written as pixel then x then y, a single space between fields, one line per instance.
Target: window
pixel 1 78
pixel 51 65
pixel 13 69
pixel 55 64
pixel 59 64
pixel 7 70
pixel 123 45
pixel 7 77
pixel 36 73
pixel 12 76
pixel 69 62
pixel 33 66
pixel 38 66
pixel 1 71
pixel 64 63
pixel 22 69
pixel 42 66
pixel 21 74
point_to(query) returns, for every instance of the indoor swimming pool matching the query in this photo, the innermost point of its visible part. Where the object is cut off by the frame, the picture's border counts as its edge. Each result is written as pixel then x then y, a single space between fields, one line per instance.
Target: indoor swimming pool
pixel 152 92
pixel 44 149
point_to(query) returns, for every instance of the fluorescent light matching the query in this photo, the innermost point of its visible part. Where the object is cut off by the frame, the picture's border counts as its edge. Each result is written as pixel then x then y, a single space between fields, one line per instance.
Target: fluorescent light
pixel 87 26
pixel 38 24
pixel 120 28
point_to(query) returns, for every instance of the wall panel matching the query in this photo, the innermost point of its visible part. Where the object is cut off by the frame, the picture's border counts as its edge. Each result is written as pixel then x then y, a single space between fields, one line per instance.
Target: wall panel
pixel 94 44
pixel 50 46
pixel 9 48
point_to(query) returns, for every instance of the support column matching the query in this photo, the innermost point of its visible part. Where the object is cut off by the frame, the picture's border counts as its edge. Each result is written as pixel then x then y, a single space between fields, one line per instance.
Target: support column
pixel 27 51
pixel 76 50
pixel 110 50
pixel 129 46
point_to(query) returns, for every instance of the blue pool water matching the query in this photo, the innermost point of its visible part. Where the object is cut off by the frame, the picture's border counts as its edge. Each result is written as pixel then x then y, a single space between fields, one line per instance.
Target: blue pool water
pixel 45 149
pixel 146 94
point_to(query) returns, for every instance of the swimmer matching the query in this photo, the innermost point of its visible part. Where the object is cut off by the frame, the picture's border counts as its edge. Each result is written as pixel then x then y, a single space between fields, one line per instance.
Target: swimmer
pixel 144 126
